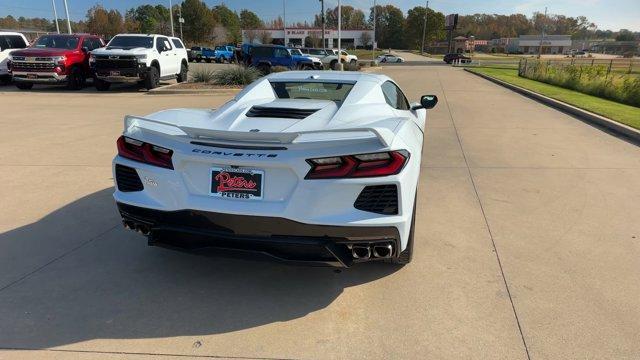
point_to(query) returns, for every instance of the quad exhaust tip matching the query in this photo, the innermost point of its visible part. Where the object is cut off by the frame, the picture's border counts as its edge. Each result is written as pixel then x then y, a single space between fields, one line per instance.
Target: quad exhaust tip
pixel 361 252
pixel 378 251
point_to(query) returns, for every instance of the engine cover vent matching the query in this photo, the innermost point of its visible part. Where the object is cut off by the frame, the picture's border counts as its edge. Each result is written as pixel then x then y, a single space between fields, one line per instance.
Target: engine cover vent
pixel 278 112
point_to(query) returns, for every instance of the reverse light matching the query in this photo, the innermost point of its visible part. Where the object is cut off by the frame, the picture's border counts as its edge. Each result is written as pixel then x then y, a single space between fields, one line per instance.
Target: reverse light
pixel 358 166
pixel 144 152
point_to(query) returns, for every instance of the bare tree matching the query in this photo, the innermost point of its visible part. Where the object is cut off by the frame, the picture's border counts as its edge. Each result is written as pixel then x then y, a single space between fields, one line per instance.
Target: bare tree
pixel 265 37
pixel 219 35
pixel 251 35
pixel 365 38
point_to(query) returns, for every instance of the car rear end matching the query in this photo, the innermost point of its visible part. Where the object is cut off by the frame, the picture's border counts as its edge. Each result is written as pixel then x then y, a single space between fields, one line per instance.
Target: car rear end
pixel 294 202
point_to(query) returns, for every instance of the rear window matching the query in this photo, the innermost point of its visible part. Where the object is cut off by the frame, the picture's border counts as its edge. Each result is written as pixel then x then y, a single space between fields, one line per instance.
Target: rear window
pixel 312 90
pixel 262 51
pixel 177 43
pixel 12 42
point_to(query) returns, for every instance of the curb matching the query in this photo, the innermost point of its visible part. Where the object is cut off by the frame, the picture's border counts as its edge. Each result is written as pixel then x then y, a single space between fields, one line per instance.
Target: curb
pixel 584 115
pixel 169 90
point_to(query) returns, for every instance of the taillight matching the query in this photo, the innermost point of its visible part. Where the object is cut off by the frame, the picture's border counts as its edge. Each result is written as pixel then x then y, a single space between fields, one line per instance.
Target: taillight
pixel 144 152
pixel 357 166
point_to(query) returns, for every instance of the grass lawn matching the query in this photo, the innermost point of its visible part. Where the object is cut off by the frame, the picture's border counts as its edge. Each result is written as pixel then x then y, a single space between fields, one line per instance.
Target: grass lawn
pixel 626 114
pixel 364 54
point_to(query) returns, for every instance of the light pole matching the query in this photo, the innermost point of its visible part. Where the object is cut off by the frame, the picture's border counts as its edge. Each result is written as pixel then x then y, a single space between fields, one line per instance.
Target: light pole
pixel 424 27
pixel 373 43
pixel 322 20
pixel 66 10
pixel 171 17
pixel 55 15
pixel 180 21
pixel 284 21
pixel 544 22
pixel 340 67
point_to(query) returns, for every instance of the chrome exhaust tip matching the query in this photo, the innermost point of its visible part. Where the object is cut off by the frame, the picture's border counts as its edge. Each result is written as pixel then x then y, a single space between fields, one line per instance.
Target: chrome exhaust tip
pixel 383 251
pixel 360 252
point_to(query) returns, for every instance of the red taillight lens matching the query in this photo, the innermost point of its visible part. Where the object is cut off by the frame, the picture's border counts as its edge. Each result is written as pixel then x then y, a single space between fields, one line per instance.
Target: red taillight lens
pixel 355 166
pixel 144 152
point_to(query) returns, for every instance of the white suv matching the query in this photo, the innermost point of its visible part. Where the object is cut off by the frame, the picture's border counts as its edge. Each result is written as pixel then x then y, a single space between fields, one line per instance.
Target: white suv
pixel 9 41
pixel 145 59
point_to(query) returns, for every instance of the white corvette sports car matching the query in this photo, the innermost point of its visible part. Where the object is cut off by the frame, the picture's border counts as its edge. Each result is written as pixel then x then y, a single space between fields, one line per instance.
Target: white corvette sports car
pixel 309 166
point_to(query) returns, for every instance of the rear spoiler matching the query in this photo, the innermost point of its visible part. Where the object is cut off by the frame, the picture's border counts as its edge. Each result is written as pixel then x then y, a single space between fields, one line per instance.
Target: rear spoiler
pixel 383 134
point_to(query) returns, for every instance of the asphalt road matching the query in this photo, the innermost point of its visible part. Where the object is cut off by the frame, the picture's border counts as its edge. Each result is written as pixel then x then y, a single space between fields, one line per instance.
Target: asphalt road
pixel 527 245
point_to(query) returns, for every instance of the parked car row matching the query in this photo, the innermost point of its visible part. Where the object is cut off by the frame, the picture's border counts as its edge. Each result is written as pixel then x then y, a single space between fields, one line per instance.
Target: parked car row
pixel 72 59
pixel 223 53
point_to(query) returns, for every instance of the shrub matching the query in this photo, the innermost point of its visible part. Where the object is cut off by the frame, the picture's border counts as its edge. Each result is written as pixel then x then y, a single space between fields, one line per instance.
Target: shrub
pixel 594 80
pixel 351 67
pixel 202 75
pixel 278 68
pixel 235 75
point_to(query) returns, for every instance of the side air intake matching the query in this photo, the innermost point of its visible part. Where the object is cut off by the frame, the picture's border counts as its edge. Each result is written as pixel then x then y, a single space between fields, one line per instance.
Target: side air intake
pixel 276 112
pixel 127 179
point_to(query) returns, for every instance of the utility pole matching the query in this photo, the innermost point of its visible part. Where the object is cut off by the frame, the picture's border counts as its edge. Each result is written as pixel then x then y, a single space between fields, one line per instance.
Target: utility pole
pixel 373 43
pixel 284 21
pixel 66 10
pixel 424 27
pixel 324 47
pixel 55 15
pixel 180 21
pixel 544 24
pixel 171 17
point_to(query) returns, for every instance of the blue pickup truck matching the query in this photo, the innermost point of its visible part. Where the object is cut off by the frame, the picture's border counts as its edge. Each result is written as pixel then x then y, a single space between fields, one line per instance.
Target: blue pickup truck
pixel 266 57
pixel 224 54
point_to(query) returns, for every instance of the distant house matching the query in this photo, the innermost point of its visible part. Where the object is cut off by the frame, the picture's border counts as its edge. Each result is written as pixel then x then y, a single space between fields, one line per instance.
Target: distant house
pixel 550 44
pixel 306 36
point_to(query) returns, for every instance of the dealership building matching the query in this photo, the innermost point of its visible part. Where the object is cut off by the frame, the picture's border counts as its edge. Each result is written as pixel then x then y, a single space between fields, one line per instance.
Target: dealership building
pixel 530 44
pixel 309 36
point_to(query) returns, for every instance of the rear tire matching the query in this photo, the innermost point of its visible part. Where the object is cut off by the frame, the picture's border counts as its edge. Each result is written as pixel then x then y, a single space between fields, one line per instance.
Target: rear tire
pixel 198 58
pixel 75 79
pixel 24 86
pixel 101 85
pixel 406 255
pixel 333 64
pixel 353 62
pixel 183 75
pixel 207 60
pixel 152 79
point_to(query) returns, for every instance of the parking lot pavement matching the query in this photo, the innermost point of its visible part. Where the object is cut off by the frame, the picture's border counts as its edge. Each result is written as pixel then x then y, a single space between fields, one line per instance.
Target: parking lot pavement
pixel 526 245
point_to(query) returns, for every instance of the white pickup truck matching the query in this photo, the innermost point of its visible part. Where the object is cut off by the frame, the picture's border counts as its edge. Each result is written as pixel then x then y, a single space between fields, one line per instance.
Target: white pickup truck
pixel 145 59
pixel 9 41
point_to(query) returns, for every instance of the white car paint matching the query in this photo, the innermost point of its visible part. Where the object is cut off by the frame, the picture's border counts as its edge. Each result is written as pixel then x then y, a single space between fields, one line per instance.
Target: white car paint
pixel 363 123
pixel 5 49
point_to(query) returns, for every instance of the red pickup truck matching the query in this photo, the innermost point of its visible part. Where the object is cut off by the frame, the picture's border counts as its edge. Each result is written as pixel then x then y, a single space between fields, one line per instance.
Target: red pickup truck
pixel 54 59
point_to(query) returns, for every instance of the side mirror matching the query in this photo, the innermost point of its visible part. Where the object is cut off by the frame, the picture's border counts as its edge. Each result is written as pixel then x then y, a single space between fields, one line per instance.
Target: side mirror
pixel 426 102
pixel 85 49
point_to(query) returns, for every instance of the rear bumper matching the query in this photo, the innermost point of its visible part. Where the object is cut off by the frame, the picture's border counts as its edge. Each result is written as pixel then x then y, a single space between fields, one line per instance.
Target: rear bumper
pixel 42 77
pixel 281 238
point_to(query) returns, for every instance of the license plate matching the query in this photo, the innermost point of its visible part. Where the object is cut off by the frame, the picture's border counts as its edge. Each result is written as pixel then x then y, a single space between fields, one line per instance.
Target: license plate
pixel 114 73
pixel 32 76
pixel 237 183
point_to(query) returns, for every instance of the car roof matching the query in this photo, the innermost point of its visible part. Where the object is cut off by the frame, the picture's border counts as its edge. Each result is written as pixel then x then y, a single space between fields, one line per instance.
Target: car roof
pixel 11 33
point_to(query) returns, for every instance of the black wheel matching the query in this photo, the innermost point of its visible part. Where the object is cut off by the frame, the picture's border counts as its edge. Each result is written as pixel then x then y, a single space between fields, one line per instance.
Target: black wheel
pixel 207 60
pixel 75 79
pixel 333 64
pixel 198 58
pixel 407 254
pixel 152 79
pixel 5 80
pixel 24 85
pixel 101 85
pixel 182 76
pixel 353 62
pixel 264 69
pixel 398 61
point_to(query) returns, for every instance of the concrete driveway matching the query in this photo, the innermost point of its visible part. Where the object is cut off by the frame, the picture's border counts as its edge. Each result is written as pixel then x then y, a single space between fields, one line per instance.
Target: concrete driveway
pixel 527 246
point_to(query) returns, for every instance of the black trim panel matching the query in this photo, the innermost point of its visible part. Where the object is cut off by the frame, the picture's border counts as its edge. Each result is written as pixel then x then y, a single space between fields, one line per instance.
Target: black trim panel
pixel 279 237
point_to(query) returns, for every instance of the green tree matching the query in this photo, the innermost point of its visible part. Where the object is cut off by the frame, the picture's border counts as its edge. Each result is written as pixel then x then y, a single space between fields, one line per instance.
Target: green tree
pixel 352 18
pixel 389 26
pixel 230 21
pixel 415 23
pixel 103 22
pixel 198 21
pixel 249 20
pixel 625 35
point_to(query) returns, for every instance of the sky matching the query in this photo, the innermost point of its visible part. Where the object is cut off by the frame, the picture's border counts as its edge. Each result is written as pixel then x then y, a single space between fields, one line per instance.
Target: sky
pixel 607 14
